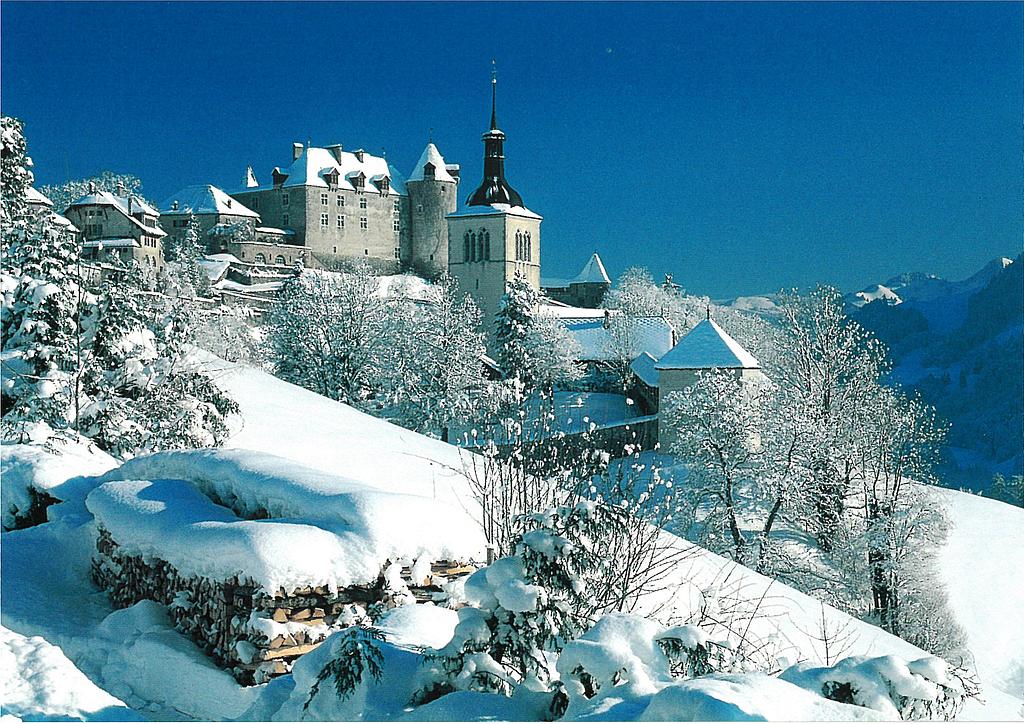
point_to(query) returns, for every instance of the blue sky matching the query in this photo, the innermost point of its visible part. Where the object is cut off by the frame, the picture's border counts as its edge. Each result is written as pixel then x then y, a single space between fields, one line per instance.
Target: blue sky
pixel 741 147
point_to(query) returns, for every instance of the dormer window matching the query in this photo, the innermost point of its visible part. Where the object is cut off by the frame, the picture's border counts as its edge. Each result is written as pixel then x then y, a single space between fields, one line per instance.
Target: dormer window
pixel 384 185
pixel 428 170
pixel 360 155
pixel 332 178
pixel 279 177
pixel 358 180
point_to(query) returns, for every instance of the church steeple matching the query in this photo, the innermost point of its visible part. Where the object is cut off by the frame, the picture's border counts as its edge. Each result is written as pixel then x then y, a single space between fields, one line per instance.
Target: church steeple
pixel 494 189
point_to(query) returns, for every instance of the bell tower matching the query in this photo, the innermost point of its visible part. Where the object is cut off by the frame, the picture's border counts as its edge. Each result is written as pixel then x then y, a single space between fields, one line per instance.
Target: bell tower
pixel 495 237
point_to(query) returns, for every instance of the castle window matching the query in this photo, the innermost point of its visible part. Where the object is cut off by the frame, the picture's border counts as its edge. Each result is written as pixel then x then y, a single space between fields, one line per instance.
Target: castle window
pixel 325 221
pixel 364 223
pixel 472 246
pixel 279 259
pixel 487 245
pixel 362 203
pixel 324 199
pixel 340 221
pixel 397 207
pixel 255 203
pixel 398 226
pixel 480 245
pixel 260 259
pixel 341 200
pixel 528 247
pixel 398 253
pixel 284 199
pixel 285 219
pixel 419 208
pixel 465 250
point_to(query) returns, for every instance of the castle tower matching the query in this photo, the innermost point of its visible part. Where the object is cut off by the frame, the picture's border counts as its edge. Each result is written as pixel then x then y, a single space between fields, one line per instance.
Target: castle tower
pixel 433 194
pixel 496 236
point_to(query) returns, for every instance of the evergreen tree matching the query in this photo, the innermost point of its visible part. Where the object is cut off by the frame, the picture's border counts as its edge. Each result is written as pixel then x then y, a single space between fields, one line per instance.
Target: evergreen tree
pixel 39 326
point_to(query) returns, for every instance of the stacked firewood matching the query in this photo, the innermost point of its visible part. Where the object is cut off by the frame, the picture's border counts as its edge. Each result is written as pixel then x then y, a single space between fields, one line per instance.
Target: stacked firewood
pixel 256 634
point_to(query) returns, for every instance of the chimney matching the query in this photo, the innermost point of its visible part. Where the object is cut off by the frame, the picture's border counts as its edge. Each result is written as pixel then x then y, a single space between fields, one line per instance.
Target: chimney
pixel 335 150
pixel 120 189
pixel 174 205
pixel 92 187
pixel 453 170
pixel 296 151
pixel 360 155
pixel 607 319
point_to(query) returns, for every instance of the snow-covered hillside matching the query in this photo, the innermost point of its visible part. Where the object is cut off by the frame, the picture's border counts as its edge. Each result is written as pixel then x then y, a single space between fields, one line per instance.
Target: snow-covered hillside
pixel 136 656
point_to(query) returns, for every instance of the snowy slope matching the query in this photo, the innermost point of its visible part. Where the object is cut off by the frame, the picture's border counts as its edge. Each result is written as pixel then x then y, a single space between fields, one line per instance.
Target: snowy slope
pixel 136 656
pixel 982 564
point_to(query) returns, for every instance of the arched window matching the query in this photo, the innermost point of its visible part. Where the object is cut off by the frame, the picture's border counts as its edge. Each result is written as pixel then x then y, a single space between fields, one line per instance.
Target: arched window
pixel 465 250
pixel 519 245
pixel 279 259
pixel 472 246
pixel 260 259
pixel 480 245
pixel 528 247
pixel 487 245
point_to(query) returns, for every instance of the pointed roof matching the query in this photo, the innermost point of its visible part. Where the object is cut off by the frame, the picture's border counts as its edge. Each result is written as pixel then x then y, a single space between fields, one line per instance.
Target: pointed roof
pixel 432 156
pixel 250 178
pixel 593 273
pixel 205 199
pixel 705 347
pixel 128 206
pixel 494 189
pixel 314 164
pixel 34 196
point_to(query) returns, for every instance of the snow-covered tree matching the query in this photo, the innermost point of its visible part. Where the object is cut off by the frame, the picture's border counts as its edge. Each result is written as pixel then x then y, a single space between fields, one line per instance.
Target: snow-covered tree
pixel 184 252
pixel 40 321
pixel 325 333
pixel 532 348
pixel 436 369
pixel 65 194
pixel 145 393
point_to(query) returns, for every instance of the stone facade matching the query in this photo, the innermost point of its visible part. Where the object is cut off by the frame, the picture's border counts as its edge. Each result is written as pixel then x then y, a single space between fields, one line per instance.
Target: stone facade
pixel 348 206
pixel 483 274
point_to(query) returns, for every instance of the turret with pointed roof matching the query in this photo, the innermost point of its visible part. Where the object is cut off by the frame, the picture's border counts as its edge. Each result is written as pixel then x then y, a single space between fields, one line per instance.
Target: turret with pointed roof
pixel 433 194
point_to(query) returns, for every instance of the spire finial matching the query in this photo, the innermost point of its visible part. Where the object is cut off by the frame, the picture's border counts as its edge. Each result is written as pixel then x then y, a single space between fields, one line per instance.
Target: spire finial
pixel 430 135
pixel 494 94
pixel 708 312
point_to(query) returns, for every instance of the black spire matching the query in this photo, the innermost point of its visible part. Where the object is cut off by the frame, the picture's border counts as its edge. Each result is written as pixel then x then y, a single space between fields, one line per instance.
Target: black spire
pixel 494 189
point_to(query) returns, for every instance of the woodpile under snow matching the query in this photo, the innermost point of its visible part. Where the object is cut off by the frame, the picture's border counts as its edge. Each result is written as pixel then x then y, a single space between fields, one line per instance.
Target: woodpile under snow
pixel 257 592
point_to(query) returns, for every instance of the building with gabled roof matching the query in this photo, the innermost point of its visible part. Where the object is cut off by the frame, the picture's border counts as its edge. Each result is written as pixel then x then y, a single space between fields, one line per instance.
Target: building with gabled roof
pixel 586 289
pixel 36 199
pixel 118 226
pixel 705 348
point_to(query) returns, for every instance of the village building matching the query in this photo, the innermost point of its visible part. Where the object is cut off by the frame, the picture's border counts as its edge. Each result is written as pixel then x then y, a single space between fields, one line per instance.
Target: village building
pixel 344 206
pixel 586 289
pixel 118 227
pixel 226 226
pixel 705 348
pixel 495 237
pixel 39 201
pixel 615 339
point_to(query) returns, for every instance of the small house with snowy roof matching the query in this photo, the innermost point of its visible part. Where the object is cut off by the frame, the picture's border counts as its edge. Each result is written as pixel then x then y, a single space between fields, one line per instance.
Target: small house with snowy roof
pixel 118 226
pixel 586 289
pixel 705 348
pixel 39 201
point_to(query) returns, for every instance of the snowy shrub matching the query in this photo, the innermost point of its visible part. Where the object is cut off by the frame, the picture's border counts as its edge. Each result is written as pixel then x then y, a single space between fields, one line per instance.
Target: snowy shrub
pixel 691 652
pixel 927 688
pixel 524 607
pixel 357 654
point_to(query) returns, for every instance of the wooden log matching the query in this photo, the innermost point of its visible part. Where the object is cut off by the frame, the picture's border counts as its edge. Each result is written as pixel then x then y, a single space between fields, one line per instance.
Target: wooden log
pixel 287 651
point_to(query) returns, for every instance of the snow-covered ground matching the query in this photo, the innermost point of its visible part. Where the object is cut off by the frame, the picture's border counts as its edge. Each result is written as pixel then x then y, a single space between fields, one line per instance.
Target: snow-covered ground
pixel 136 656
pixel 982 564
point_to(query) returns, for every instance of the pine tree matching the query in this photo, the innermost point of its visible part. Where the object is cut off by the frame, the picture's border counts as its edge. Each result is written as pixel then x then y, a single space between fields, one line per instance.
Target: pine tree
pixel 40 321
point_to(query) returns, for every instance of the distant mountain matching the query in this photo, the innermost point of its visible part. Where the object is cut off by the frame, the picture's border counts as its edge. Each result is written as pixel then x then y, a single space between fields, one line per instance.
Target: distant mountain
pixel 961 345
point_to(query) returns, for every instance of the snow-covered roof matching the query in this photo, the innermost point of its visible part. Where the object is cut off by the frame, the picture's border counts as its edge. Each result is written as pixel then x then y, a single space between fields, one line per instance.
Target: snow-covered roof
pixel 204 199
pixel 432 156
pixel 644 368
pixel 34 196
pixel 600 343
pixel 707 346
pixel 128 206
pixel 592 273
pixel 273 230
pixel 310 168
pixel 493 209
pixel 323 529
pixel 553 308
pixel 63 221
pixel 121 243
